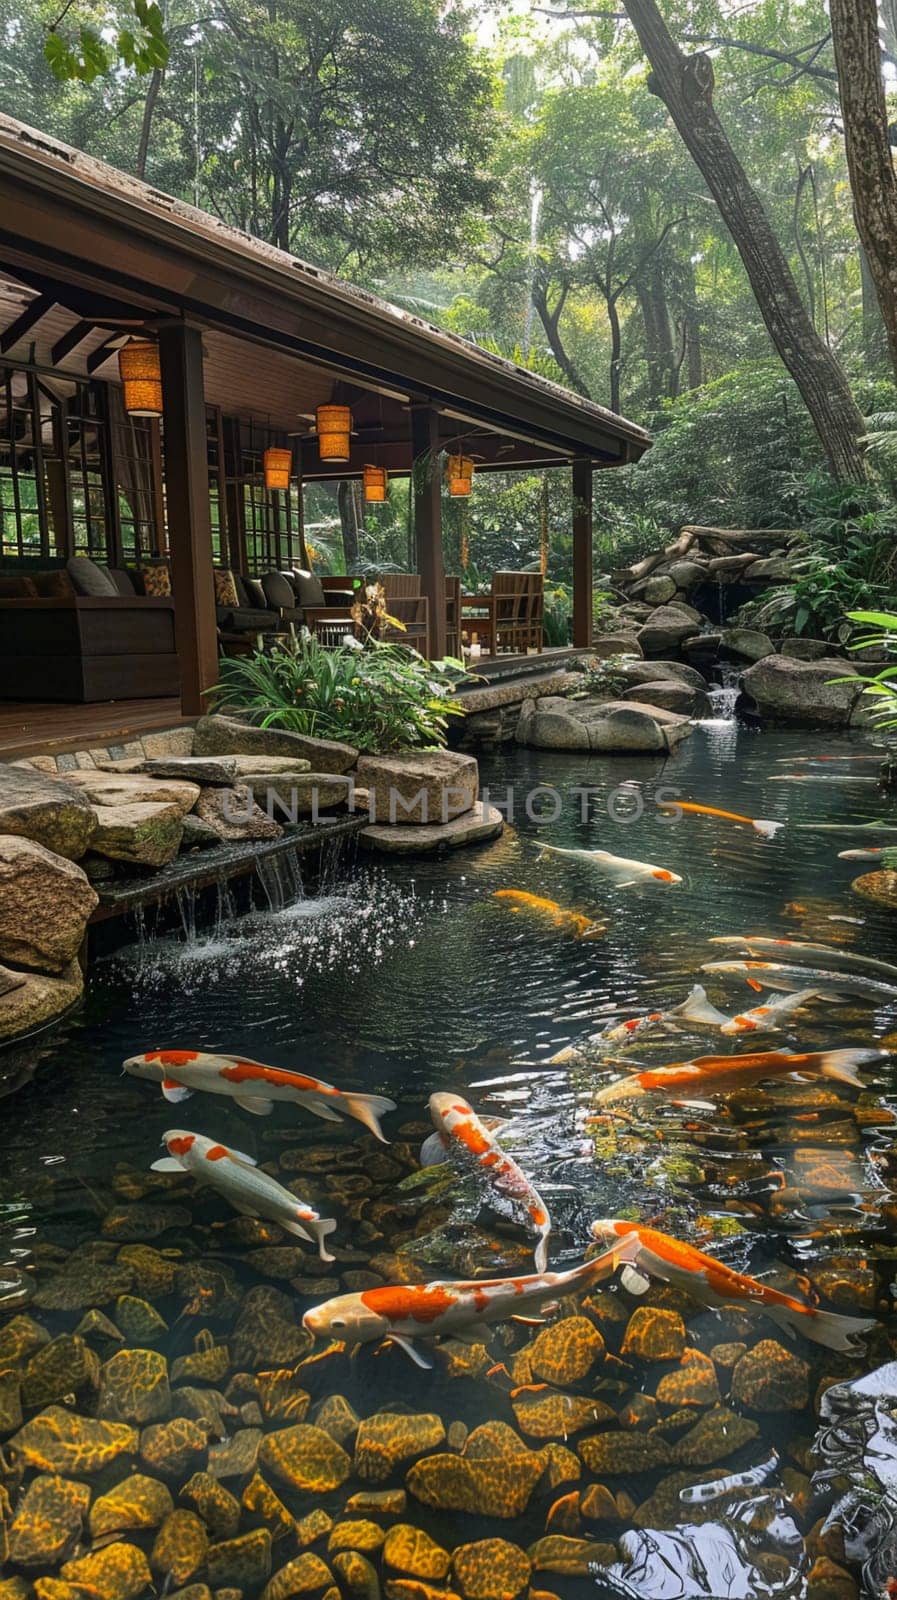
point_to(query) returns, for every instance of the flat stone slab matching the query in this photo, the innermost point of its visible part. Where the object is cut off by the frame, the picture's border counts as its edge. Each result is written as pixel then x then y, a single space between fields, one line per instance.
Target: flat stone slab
pixel 45 901
pixel 38 999
pixel 132 788
pixel 481 822
pixel 40 808
pixel 420 787
pixel 219 735
pixel 297 793
pixel 195 769
pixel 234 814
pixel 143 832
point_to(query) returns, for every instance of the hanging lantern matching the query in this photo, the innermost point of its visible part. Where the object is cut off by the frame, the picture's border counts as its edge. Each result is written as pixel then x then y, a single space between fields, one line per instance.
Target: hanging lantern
pixel 375 480
pixel 334 426
pixel 141 376
pixel 277 463
pixel 460 476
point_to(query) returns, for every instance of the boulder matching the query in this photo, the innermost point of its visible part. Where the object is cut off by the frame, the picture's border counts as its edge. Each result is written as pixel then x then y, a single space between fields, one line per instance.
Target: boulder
pixel 144 832
pixel 665 629
pixel 234 814
pixel 479 823
pixel 419 787
pixel 672 696
pixel 745 644
pixel 29 1000
pixel 638 672
pixel 133 788
pixel 45 901
pixel 611 725
pixel 43 809
pixel 727 568
pixel 801 649
pixel 606 645
pixel 657 590
pixel 298 793
pixel 784 689
pixel 687 574
pixel 772 569
pixel 229 736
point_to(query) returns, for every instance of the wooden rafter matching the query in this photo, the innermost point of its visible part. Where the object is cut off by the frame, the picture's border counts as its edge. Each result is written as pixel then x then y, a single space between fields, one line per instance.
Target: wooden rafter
pixel 25 322
pixel 70 341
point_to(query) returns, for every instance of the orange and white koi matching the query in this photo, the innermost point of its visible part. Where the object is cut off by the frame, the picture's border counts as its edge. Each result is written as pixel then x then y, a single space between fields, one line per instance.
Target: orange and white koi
pixel 254 1087
pixel 463 1310
pixel 623 871
pixel 713 1284
pixel 566 921
pixel 462 1136
pixel 788 976
pixel 800 949
pixel 237 1178
pixel 725 1074
pixel 766 829
pixel 873 853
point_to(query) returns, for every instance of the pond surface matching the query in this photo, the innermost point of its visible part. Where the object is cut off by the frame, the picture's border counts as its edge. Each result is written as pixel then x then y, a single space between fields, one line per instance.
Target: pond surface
pixel 411 976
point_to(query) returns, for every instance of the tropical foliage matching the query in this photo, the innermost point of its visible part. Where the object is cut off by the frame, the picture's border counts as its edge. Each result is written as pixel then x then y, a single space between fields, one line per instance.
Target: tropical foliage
pixel 378 697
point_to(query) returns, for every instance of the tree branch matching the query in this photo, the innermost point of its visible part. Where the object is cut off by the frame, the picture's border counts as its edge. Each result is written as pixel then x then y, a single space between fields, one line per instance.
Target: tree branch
pixel 788 58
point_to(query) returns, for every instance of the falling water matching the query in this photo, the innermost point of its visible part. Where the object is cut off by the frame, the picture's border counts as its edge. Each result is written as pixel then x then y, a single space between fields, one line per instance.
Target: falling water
pixel 534 214
pixel 724 695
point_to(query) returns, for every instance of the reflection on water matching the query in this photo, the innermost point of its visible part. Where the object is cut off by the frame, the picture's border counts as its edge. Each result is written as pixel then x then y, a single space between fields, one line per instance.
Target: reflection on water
pixel 402 978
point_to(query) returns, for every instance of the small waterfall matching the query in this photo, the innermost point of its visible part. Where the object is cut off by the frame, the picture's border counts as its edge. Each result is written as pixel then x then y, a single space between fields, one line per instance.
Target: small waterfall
pixel 280 877
pixel 185 900
pixel 724 695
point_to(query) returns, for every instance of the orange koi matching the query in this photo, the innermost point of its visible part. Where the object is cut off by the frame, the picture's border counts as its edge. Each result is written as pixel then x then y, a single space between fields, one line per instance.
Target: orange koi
pixel 713 1284
pixel 564 920
pixel 460 1132
pixel 766 829
pixel 724 1074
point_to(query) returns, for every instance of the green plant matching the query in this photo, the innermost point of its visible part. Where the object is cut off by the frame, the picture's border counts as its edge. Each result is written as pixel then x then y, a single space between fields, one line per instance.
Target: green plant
pixel 380 697
pixel 557 616
pixel 881 687
pixel 599 677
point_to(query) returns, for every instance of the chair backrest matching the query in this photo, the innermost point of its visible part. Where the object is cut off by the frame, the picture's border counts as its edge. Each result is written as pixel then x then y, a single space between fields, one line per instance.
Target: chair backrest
pixel 400 585
pixel 518 596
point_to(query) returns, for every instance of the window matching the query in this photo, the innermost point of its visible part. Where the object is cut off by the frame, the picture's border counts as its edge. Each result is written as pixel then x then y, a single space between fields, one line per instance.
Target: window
pixel 270 519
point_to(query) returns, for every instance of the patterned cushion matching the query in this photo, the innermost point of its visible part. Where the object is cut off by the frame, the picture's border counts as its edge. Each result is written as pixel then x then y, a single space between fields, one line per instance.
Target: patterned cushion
pixel 156 580
pixel 309 589
pixel 16 586
pixel 90 579
pixel 225 588
pixel 278 590
pixel 54 585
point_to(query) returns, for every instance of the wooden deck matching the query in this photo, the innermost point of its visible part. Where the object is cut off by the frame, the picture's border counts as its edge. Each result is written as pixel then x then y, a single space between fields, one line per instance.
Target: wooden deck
pixel 27 730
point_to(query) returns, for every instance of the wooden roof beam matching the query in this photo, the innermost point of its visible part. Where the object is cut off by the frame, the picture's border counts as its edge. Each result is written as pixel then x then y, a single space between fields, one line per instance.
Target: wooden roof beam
pixel 69 342
pixel 25 323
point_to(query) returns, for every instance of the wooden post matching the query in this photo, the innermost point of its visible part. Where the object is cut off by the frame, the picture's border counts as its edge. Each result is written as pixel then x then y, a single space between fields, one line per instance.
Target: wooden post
pixel 582 552
pixel 189 518
pixel 426 495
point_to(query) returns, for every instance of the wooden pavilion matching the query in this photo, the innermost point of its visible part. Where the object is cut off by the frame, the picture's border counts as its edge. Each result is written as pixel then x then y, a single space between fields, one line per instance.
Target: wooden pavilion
pixel 251 342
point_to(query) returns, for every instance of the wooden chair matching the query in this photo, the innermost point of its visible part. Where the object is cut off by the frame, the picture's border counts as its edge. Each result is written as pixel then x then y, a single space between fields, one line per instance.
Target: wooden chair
pixel 453 617
pixel 517 604
pixel 405 602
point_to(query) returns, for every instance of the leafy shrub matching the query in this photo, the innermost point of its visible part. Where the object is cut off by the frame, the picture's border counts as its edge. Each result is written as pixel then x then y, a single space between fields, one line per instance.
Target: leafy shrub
pixel 381 697
pixel 557 616
pixel 881 687
pixel 599 677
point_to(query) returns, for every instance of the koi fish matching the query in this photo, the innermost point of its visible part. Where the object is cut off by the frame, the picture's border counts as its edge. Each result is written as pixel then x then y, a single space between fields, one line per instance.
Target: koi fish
pixel 767 1018
pixel 767 830
pixel 623 871
pixel 464 1310
pixel 781 975
pixel 254 1087
pixel 566 921
pixel 237 1178
pixel 877 852
pixel 835 956
pixel 877 825
pixel 820 777
pixel 723 1074
pixel 461 1134
pixel 700 1494
pixel 713 1284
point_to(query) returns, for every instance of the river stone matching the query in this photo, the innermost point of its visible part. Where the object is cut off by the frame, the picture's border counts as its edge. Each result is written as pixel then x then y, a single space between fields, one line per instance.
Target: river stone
pixel 419 786
pixel 10 1403
pixel 145 832
pixel 359 1581
pixel 388 1438
pixel 140 1222
pixel 786 690
pixel 50 813
pixel 598 724
pixel 140 1323
pixel 207 1364
pixel 305 1458
pixel 803 649
pixel 64 1366
pixel 717 1436
pixel 687 573
pixel 358 1535
pixel 658 590
pixel 173 1448
pixel 131 788
pixel 409 1549
pixel 550 1414
pixel 496 1486
pixel 335 1416
pixel 624 1452
pixel 745 644
pixel 229 736
pixel 654 1334
pixel 491 1569
pixel 134 1387
pixel 236 1457
pixel 234 815
pixel 218 1508
pixel 378 1503
pixel 770 1378
pixel 138 1502
pixel 45 901
pixel 153 1274
pixel 118 1572
pixel 18 1339
pixel 48 1522
pixel 304 1575
pixel 479 823
pixel 58 1440
pixel 653 672
pixel 83 1282
pixel 241 1563
pixel 572 1558
pixel 179 1548
pixel 879 887
pixel 607 645
pixel 693 1383
pixel 665 629
pixel 198 835
pixel 266 1507
pixel 37 999
pixel 565 1351
pixel 670 696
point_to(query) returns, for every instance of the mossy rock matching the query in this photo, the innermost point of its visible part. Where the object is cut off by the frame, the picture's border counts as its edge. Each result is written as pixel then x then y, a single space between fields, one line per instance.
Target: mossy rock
pixel 138 1320
pixel 572 1558
pixel 358 1578
pixel 355 1535
pixel 134 1387
pixel 692 1383
pixel 218 1508
pixel 266 1333
pixel 210 1365
pixel 174 1448
pixel 262 1504
pixel 653 1334
pixel 336 1417
pixel 716 1436
pixel 316 1525
pixel 83 1282
pixel 153 1274
pixel 19 1339
pixel 64 1366
pixel 550 1414
pixel 624 1453
pixel 770 1378
pixel 304 1575
pixel 283 1399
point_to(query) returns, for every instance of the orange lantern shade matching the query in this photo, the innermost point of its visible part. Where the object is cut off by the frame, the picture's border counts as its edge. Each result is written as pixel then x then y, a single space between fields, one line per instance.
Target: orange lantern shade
pixel 277 463
pixel 375 480
pixel 334 427
pixel 460 476
pixel 141 375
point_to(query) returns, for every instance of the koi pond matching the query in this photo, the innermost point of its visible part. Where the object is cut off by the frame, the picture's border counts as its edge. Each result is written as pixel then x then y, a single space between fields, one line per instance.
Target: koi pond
pixel 172 1422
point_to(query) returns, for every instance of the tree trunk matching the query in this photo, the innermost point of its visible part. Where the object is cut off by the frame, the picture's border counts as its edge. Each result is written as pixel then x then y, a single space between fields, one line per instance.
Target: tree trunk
pixel 347 500
pixel 550 321
pixel 872 177
pixel 664 325
pixel 875 341
pixel 653 358
pixel 149 106
pixel 616 352
pixel 685 84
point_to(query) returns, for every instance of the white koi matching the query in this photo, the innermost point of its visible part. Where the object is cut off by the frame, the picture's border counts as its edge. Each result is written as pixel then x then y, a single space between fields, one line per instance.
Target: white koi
pixel 789 976
pixel 623 871
pixel 465 1138
pixel 832 955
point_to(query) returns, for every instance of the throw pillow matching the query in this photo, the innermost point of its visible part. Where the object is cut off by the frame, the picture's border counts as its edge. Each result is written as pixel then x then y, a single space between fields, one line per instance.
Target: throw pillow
pixel 225 588
pixel 156 580
pixel 123 581
pixel 17 587
pixel 309 589
pixel 278 590
pixel 54 585
pixel 89 579
pixel 256 594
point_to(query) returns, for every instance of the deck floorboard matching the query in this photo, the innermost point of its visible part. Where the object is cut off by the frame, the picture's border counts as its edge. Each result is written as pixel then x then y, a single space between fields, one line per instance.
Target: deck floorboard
pixel 53 729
